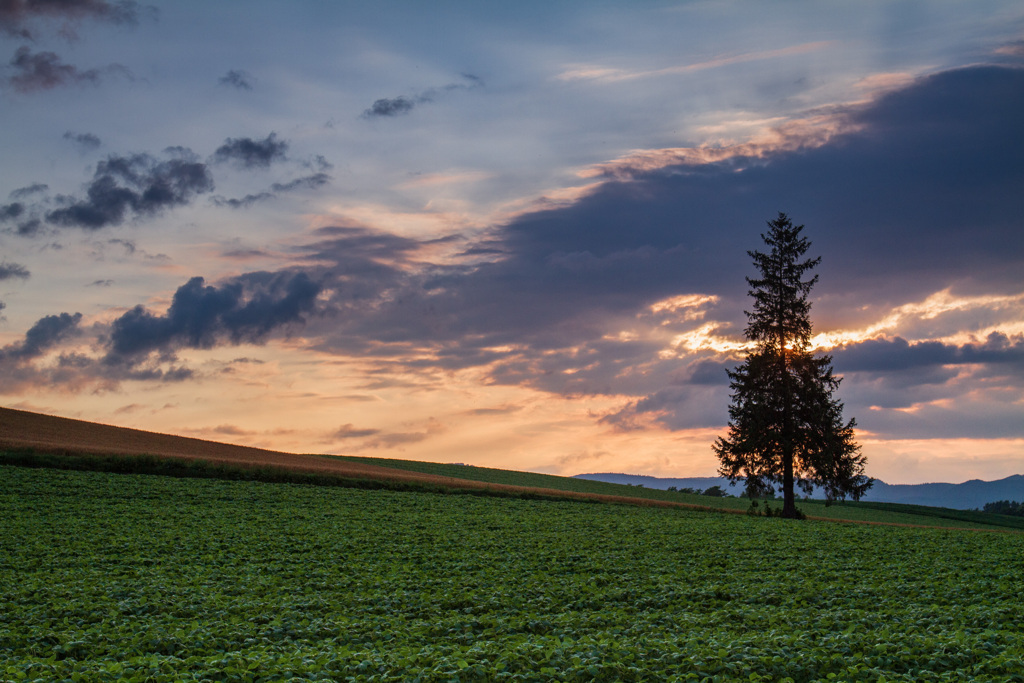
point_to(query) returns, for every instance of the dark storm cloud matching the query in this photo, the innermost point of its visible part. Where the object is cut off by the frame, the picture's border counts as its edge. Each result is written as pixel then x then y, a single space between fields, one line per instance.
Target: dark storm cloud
pixel 245 309
pixel 9 212
pixel 9 271
pixel 884 356
pixel 250 153
pixel 242 80
pixel 895 374
pixel 29 228
pixel 15 14
pixel 397 106
pixel 927 193
pixel 43 335
pixel 924 194
pixel 369 273
pixel 896 389
pixel 86 141
pixel 136 185
pixel 968 420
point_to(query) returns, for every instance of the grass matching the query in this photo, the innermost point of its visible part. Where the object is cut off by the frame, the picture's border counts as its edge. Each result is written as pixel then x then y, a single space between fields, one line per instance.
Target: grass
pixel 107 577
pixel 940 514
pixel 882 513
pixel 534 485
pixel 202 469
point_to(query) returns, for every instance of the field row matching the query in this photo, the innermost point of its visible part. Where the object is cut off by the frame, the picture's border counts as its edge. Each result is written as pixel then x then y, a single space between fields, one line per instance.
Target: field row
pixel 885 513
pixel 132 577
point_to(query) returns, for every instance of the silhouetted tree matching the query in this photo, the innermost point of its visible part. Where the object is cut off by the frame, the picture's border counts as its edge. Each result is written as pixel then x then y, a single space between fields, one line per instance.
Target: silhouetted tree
pixel 785 427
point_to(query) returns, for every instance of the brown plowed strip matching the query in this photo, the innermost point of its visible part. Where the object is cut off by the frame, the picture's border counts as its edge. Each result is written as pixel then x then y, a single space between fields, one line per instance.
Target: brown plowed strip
pixel 65 436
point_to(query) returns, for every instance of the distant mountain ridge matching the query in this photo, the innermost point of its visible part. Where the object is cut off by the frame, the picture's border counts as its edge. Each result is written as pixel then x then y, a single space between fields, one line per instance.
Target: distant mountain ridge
pixel 966 496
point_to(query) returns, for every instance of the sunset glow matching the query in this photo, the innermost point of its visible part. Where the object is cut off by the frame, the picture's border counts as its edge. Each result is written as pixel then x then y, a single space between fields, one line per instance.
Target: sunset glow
pixel 511 236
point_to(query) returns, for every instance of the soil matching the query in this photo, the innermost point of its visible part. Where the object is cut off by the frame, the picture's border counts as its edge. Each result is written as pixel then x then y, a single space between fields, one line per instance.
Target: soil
pixel 65 436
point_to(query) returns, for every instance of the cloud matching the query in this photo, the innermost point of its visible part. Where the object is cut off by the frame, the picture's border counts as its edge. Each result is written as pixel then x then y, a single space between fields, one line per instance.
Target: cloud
pixel 310 182
pixel 16 14
pixel 45 71
pixel 43 335
pixel 28 190
pixel 389 440
pixel 609 74
pixel 635 290
pixel 911 194
pixel 85 141
pixel 9 271
pixel 17 210
pixel 245 309
pixel 9 212
pixel 136 185
pixel 29 228
pixel 389 107
pixel 241 202
pixel 236 78
pixel 250 153
pixel 885 356
pixel 70 371
pixel 348 431
pixel 318 162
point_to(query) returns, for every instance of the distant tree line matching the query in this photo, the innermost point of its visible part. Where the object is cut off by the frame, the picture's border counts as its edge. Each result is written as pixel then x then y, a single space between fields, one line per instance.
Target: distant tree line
pixel 716 491
pixel 1005 507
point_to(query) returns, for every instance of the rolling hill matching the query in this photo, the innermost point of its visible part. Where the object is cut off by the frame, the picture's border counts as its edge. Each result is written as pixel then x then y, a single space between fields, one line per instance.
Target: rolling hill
pixel 968 495
pixel 36 440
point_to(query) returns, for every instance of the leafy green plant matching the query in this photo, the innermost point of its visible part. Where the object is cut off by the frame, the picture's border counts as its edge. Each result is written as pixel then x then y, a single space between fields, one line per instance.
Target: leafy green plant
pixel 134 577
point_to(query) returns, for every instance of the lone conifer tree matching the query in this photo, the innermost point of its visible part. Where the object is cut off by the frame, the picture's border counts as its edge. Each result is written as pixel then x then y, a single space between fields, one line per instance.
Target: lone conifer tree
pixel 785 427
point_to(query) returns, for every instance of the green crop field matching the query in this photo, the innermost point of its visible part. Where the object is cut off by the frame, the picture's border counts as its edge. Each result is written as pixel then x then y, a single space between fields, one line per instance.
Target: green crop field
pixel 885 513
pixel 111 577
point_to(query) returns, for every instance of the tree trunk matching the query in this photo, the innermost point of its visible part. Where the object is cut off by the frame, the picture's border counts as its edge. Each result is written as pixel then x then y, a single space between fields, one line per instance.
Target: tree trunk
pixel 788 499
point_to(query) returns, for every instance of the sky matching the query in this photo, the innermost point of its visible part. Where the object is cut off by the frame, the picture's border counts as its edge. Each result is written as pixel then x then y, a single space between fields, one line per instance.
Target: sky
pixel 511 235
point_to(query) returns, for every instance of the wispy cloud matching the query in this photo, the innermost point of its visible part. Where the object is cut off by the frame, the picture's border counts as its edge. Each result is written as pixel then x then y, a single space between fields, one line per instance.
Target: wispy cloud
pixel 390 107
pixel 450 178
pixel 238 79
pixel 84 141
pixel 10 271
pixel 17 15
pixel 612 74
